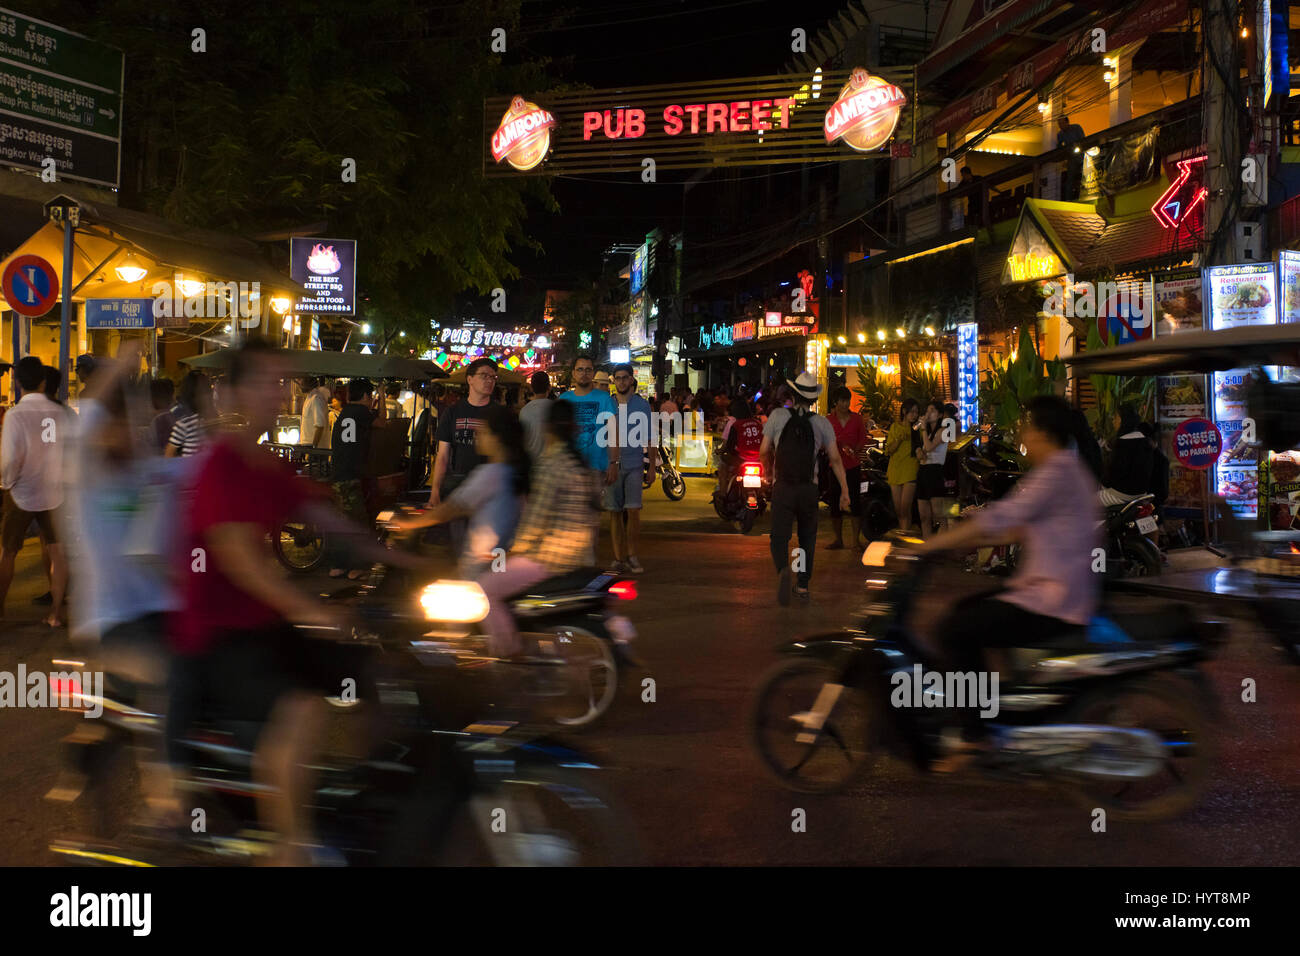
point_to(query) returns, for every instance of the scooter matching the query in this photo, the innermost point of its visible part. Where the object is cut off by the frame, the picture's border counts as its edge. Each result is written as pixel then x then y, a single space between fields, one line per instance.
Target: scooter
pixel 746 497
pixel 1119 713
pixel 674 484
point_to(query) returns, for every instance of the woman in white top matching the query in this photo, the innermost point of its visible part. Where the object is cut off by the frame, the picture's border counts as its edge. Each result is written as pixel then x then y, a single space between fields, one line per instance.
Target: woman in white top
pixel 931 493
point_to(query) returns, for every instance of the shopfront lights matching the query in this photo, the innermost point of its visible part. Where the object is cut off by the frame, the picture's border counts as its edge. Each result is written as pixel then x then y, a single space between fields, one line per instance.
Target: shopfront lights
pixel 365 328
pixel 191 287
pixel 880 334
pixel 1042 106
pixel 1108 76
pixel 842 340
pixel 130 270
pixel 862 336
pixel 280 304
pixel 902 333
pixel 1108 61
pixel 1094 151
pixel 929 330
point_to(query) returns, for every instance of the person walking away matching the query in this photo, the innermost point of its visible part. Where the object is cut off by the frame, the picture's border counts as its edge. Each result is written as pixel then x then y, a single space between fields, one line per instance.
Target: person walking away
pixel 31 475
pixel 350 452
pixel 313 426
pixel 903 464
pixel 162 394
pixel 555 531
pixel 457 454
pixel 188 434
pixel 850 439
pixel 792 438
pixel 491 496
pixel 121 504
pixel 1053 511
pixel 592 408
pixel 536 414
pixel 931 487
pixel 1131 461
pixel 623 498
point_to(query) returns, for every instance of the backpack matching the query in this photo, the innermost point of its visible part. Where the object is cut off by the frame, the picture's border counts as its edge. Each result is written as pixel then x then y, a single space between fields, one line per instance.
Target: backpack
pixel 796 449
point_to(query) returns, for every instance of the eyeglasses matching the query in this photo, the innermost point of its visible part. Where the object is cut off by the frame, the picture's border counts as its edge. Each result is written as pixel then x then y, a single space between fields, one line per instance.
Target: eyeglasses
pixel 487 376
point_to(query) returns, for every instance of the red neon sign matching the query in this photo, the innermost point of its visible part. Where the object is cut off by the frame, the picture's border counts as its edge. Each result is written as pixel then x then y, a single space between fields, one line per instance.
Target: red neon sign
pixel 742 116
pixel 1184 194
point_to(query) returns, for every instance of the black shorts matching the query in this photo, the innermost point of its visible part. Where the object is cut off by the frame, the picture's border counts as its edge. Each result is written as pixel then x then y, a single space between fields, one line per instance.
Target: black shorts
pixel 930 483
pixel 853 476
pixel 246 672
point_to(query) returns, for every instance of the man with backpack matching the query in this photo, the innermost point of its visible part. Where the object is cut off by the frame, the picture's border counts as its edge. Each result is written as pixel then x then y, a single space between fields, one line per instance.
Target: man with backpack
pixel 792 439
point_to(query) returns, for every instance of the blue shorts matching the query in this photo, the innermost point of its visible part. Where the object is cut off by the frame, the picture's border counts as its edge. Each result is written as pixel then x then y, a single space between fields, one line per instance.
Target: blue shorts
pixel 625 493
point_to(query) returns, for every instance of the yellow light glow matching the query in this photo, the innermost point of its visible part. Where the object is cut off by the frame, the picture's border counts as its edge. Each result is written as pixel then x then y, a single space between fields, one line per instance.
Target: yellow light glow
pixel 842 340
pixel 131 273
pixel 191 287
pixel 929 330
pixel 902 333
pixel 862 337
pixel 1033 266
pixel 280 304
pixel 461 602
pixel 880 334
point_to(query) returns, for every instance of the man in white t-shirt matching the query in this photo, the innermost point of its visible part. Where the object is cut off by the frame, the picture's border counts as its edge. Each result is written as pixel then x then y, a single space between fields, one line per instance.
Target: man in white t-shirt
pixel 313 428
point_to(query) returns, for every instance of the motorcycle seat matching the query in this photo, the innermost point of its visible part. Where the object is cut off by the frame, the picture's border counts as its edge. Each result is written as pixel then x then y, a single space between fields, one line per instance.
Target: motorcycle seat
pixel 577 580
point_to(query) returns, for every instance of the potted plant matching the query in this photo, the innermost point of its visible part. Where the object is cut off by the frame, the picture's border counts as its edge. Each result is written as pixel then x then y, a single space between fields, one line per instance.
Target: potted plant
pixel 877 396
pixel 1008 386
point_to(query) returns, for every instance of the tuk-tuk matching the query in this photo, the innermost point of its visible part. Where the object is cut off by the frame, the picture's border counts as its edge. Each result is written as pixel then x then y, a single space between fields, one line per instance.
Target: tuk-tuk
pixel 1263 569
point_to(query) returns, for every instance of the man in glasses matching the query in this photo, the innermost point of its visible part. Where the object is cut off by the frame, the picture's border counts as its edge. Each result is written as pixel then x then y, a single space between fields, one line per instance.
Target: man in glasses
pixel 457 455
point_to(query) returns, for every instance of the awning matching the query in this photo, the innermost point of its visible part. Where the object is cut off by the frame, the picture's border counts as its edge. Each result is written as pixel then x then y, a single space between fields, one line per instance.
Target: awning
pixel 1215 351
pixel 106 235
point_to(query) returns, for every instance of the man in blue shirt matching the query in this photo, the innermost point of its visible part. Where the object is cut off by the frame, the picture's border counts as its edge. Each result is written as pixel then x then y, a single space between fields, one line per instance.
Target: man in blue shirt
pixel 591 406
pixel 631 434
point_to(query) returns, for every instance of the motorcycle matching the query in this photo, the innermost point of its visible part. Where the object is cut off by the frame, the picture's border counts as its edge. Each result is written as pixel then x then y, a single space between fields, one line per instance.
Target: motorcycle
pixel 433 789
pixel 1118 714
pixel 578 646
pixel 746 498
pixel 674 484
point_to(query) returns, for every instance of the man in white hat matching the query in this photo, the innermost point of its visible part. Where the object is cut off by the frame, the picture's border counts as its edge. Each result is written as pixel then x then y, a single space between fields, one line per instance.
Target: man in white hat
pixel 792 439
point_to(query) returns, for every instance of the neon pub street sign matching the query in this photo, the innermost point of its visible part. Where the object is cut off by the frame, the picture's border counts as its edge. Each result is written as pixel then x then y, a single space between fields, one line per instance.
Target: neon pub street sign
pixel 863 116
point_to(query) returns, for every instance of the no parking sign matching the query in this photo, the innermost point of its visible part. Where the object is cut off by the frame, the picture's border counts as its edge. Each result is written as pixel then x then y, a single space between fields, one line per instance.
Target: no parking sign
pixel 1197 443
pixel 30 285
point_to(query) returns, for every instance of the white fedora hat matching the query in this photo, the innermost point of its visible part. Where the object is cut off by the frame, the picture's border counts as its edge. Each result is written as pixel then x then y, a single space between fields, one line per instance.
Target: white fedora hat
pixel 806 385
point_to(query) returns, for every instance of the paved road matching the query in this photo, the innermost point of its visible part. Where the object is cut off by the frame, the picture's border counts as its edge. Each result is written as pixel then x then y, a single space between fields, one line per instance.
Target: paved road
pixel 708 621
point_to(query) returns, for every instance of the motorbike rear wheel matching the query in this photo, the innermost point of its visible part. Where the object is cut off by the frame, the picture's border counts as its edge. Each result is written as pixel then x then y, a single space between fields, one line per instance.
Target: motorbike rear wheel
pixel 839 752
pixel 590 676
pixel 1138 558
pixel 746 520
pixel 1169 707
pixel 674 486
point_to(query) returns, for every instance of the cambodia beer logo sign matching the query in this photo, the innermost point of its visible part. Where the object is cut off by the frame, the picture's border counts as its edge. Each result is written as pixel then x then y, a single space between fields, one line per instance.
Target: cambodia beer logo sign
pixel 524 137
pixel 866 112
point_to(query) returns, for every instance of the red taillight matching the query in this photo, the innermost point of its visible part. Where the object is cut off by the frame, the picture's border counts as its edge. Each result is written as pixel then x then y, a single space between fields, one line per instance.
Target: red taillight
pixel 67 691
pixel 623 590
pixel 753 470
pixel 1146 509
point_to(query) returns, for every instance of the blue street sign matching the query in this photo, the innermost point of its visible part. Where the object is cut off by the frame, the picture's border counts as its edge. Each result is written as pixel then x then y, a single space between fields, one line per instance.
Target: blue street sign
pixel 119 314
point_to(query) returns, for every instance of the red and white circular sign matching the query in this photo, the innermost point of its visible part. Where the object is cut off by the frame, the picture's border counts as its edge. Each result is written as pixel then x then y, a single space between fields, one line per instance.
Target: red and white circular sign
pixel 865 113
pixel 30 285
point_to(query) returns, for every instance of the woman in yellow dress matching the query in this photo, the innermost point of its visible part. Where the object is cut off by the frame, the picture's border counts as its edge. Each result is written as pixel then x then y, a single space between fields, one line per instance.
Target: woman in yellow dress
pixel 903 463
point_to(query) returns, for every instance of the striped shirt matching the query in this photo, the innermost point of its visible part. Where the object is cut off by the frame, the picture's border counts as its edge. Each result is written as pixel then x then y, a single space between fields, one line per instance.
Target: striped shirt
pixel 187 435
pixel 560 515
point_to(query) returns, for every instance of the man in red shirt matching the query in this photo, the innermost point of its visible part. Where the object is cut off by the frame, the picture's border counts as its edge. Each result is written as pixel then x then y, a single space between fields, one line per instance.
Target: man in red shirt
pixel 235 639
pixel 851 438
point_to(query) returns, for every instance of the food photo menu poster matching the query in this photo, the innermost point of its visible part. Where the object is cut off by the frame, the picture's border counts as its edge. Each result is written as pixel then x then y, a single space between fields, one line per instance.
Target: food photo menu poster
pixel 1180 397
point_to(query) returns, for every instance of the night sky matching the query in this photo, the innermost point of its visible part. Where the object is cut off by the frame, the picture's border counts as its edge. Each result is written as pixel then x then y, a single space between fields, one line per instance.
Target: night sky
pixel 637 43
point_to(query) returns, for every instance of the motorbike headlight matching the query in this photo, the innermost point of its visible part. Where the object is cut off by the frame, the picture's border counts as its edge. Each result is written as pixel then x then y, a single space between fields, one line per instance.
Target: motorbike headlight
pixel 460 602
pixel 876 553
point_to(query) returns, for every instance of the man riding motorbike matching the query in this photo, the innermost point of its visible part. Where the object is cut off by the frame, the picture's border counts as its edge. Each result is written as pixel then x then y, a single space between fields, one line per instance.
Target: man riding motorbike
pixel 741 440
pixel 1054 514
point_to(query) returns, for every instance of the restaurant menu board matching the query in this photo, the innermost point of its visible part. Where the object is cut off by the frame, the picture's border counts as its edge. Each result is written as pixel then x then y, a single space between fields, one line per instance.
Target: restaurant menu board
pixel 1242 295
pixel 1237 472
pixel 1283 495
pixel 1180 397
pixel 1178 305
pixel 1239 295
pixel 1288 269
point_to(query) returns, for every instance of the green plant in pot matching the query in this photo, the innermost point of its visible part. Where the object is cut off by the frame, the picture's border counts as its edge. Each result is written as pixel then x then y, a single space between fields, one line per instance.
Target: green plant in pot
pixel 876 394
pixel 1008 386
pixel 1115 391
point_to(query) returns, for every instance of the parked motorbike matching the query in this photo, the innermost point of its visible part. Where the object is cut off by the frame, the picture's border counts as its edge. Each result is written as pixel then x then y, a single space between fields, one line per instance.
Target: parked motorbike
pixel 429 791
pixel 1119 713
pixel 674 484
pixel 746 498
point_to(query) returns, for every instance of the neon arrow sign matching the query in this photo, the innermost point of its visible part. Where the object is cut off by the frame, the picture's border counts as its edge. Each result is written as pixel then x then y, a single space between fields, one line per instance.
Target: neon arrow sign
pixel 1183 195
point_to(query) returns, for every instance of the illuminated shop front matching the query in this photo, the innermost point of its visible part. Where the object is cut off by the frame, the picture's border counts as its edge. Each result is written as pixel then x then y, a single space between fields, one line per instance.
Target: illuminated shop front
pixel 519 349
